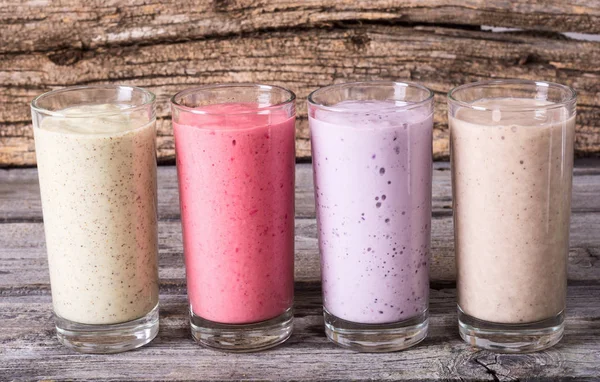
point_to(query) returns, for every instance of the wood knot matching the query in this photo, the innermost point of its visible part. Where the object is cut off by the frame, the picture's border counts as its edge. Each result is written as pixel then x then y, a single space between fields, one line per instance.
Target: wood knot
pixel 485 365
pixel 66 57
pixel 358 41
pixel 531 59
pixel 223 5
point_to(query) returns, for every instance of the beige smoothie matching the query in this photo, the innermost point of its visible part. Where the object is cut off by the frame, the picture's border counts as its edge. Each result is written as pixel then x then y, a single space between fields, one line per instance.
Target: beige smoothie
pixel 97 172
pixel 512 176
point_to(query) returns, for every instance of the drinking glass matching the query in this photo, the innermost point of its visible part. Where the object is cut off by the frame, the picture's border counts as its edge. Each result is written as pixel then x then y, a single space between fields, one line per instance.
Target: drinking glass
pixel 96 155
pixel 235 147
pixel 511 144
pixel 372 162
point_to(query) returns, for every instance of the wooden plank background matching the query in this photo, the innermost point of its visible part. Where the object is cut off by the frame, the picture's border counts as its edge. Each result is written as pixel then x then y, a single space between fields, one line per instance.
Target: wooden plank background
pixel 168 45
pixel 29 349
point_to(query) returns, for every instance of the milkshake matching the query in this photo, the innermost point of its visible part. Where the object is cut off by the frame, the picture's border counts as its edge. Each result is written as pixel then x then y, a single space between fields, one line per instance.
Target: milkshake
pixel 236 168
pixel 372 162
pixel 512 161
pixel 97 172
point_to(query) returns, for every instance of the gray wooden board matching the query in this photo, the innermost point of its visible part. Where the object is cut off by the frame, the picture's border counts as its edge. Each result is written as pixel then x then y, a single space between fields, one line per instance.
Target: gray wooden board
pixel 20 199
pixel 29 349
pixel 23 257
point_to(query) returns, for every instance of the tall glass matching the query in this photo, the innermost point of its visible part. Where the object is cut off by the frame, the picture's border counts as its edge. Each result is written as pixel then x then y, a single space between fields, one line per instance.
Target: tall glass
pixel 96 156
pixel 372 162
pixel 511 146
pixel 235 147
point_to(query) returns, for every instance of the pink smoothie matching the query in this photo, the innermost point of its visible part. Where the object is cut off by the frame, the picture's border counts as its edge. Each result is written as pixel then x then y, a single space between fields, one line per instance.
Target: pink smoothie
pixel 236 184
pixel 373 169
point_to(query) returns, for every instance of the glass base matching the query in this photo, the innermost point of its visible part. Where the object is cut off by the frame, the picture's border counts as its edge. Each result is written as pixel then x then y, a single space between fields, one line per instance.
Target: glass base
pixel 511 338
pixel 242 338
pixel 104 339
pixel 376 337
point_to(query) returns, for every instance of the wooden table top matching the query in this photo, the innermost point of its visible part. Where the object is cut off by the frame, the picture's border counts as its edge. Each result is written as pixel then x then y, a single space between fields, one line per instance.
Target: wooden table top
pixel 29 349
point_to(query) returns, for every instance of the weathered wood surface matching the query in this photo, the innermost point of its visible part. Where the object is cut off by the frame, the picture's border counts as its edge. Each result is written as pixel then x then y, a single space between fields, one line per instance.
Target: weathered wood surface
pixel 29 349
pixel 170 45
pixel 46 26
pixel 20 200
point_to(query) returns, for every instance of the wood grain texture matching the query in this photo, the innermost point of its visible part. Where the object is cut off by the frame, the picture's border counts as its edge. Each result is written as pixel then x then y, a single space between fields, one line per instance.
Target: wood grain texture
pixel 29 349
pixel 168 46
pixel 48 26
pixel 20 193
pixel 23 260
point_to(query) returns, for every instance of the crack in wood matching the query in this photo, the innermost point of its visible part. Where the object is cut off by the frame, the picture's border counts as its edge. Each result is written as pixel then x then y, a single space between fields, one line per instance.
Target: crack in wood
pixel 487 369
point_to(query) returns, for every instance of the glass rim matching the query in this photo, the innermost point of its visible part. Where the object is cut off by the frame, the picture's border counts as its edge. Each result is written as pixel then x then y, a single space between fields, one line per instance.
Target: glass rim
pixel 572 98
pixel 194 110
pixel 409 106
pixel 151 98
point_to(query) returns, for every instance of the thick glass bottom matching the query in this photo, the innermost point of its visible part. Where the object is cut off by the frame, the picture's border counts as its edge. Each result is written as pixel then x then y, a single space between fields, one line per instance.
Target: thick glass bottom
pixel 112 338
pixel 511 338
pixel 242 338
pixel 376 337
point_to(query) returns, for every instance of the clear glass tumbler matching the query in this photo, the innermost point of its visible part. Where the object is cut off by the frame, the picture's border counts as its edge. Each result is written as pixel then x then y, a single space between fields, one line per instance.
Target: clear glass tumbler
pixel 235 147
pixel 511 145
pixel 96 156
pixel 372 162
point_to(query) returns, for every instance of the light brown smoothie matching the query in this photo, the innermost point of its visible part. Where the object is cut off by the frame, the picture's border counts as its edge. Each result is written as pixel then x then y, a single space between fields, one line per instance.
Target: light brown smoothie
pixel 512 176
pixel 98 186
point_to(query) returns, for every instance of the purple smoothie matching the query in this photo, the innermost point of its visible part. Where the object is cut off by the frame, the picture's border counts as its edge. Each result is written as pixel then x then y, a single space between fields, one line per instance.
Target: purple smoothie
pixel 372 166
